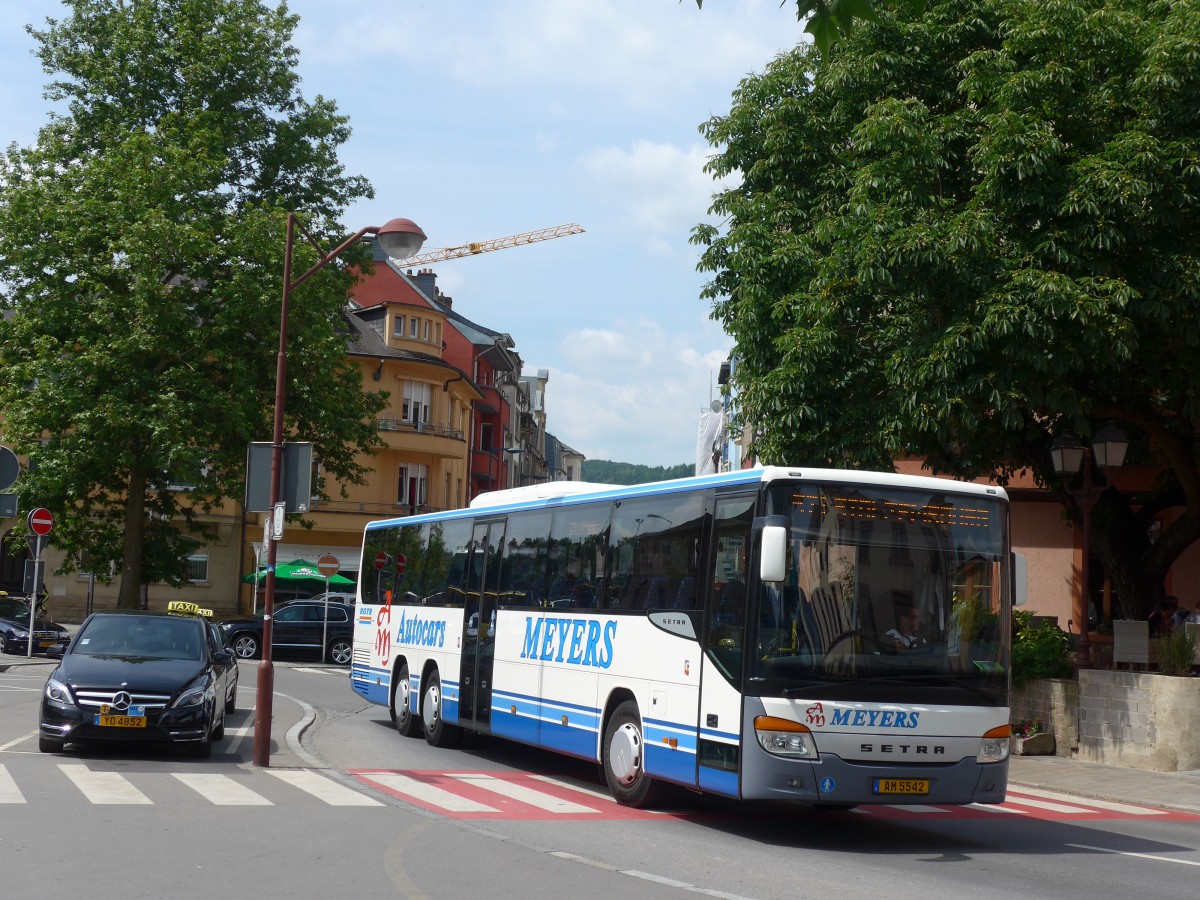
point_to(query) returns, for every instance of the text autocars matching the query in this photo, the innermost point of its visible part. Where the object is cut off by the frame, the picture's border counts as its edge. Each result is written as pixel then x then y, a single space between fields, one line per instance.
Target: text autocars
pixel 139 676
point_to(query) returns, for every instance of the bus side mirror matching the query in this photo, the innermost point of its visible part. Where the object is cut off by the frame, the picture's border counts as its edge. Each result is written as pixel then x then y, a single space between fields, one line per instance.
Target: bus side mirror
pixel 1020 573
pixel 772 555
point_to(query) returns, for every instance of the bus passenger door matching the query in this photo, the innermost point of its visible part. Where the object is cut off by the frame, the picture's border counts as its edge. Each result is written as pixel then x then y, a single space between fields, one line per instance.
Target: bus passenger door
pixel 725 617
pixel 479 641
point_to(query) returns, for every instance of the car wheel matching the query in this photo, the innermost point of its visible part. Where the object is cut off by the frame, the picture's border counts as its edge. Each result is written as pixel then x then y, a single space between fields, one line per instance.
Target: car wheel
pixel 438 732
pixel 625 759
pixel 341 650
pixel 3 644
pixel 49 744
pixel 407 722
pixel 245 645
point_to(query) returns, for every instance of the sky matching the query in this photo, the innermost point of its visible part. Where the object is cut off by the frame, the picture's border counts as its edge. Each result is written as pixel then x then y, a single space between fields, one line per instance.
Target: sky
pixel 480 119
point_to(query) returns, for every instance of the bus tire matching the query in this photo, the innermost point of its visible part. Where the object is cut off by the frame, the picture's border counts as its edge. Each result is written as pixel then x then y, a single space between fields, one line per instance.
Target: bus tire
pixel 407 723
pixel 624 759
pixel 438 732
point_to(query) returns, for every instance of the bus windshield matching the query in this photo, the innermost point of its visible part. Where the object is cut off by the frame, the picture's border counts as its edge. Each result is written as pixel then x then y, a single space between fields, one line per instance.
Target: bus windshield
pixel 886 588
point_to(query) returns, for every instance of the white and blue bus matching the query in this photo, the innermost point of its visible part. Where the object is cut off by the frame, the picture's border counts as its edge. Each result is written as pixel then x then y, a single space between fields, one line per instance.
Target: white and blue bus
pixel 824 636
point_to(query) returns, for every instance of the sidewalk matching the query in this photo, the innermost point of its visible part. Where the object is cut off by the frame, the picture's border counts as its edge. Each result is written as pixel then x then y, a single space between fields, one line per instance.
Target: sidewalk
pixel 1141 787
pixel 1163 790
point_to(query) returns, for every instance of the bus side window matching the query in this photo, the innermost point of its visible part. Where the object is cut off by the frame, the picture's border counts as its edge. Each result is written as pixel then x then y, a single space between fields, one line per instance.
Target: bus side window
pixel 727 612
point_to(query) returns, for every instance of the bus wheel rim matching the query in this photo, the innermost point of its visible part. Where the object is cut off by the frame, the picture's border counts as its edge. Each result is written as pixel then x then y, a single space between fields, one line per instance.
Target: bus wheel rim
pixel 624 754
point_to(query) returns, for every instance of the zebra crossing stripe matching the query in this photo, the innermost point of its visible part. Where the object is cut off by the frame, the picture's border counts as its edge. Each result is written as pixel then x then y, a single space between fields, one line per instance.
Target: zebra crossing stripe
pixel 104 788
pixel 1109 805
pixel 221 790
pixel 426 794
pixel 9 792
pixel 522 794
pixel 1034 803
pixel 324 789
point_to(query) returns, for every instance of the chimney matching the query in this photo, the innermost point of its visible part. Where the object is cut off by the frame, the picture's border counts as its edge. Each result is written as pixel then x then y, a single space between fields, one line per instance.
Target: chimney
pixel 446 301
pixel 427 283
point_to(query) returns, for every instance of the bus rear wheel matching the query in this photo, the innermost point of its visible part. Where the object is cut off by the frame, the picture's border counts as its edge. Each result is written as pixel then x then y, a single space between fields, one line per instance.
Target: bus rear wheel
pixel 624 759
pixel 407 723
pixel 438 732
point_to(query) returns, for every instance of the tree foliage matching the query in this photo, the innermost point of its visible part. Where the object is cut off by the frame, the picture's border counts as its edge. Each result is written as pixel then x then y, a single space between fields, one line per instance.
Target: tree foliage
pixel 603 471
pixel 962 232
pixel 141 245
pixel 829 21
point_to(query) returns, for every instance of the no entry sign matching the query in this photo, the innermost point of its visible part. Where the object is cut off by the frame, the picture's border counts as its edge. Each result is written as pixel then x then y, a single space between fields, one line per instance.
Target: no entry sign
pixel 40 521
pixel 381 560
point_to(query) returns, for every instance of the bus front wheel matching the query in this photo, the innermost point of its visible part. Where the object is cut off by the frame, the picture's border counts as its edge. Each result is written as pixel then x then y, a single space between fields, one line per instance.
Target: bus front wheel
pixel 407 724
pixel 438 732
pixel 625 760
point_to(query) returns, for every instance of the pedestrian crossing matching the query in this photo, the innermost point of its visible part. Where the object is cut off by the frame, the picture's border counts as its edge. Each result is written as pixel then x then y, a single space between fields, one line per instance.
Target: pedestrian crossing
pixel 516 795
pixel 98 786
pixel 473 794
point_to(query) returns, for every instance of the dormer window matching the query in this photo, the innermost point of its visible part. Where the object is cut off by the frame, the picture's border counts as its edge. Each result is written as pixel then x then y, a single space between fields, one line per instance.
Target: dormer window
pixel 398 327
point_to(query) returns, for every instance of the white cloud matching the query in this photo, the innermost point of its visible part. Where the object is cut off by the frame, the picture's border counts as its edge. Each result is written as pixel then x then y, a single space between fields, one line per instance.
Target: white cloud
pixel 634 386
pixel 665 188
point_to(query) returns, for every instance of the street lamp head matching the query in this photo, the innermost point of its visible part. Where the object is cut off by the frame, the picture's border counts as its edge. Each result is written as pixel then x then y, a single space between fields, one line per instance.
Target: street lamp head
pixel 1109 445
pixel 401 238
pixel 1066 453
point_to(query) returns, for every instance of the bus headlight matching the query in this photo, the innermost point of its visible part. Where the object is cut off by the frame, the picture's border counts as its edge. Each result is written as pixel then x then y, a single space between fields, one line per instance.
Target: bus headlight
pixel 783 737
pixel 993 748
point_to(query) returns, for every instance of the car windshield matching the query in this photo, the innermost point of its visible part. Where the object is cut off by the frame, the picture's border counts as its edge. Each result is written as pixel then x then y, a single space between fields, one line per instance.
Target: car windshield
pixel 147 637
pixel 11 608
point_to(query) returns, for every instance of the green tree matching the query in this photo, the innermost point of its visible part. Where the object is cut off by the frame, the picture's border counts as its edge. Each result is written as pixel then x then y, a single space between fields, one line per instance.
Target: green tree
pixel 141 244
pixel 964 232
pixel 829 21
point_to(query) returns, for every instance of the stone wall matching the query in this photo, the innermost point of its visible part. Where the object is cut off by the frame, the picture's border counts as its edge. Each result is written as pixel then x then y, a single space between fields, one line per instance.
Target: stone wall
pixel 1055 701
pixel 1138 719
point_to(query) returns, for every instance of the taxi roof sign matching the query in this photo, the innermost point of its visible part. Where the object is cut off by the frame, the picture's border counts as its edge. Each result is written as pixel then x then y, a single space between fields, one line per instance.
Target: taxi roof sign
pixel 184 607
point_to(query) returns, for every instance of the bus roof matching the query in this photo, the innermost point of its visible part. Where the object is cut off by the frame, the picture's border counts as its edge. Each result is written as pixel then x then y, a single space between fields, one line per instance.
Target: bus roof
pixel 554 493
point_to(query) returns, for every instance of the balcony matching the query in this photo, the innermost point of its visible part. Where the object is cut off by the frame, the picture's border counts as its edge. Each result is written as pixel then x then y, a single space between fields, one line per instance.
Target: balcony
pixel 427 437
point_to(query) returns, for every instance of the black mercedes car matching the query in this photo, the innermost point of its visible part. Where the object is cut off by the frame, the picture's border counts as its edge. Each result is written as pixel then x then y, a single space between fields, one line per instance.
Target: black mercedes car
pixel 140 676
pixel 300 628
pixel 14 629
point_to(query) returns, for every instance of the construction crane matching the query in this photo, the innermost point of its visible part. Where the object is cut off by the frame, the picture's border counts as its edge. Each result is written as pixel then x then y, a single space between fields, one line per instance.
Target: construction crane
pixel 514 240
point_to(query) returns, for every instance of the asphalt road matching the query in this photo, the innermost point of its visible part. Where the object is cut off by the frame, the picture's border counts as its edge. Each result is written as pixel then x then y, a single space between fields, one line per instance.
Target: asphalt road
pixel 349 808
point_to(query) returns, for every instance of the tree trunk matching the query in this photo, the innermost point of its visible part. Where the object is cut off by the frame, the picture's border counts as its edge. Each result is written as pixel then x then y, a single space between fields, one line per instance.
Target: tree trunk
pixel 129 596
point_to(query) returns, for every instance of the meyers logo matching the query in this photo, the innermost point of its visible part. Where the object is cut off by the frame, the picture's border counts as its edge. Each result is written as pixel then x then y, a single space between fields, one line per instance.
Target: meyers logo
pixel 873 718
pixel 579 642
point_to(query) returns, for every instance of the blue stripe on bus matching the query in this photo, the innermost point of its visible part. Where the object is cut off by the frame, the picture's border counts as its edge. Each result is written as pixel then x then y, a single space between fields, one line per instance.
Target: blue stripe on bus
pixel 522 728
pixel 678 766
pixel 719 781
pixel 571 739
pixel 504 701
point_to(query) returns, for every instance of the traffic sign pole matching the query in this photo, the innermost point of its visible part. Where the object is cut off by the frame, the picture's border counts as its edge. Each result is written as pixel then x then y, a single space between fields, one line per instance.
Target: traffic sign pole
pixel 41 523
pixel 328 566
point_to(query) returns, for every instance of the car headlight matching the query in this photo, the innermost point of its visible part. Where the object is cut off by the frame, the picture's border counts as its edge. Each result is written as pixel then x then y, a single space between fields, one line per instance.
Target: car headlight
pixel 783 737
pixel 20 634
pixel 194 696
pixel 58 692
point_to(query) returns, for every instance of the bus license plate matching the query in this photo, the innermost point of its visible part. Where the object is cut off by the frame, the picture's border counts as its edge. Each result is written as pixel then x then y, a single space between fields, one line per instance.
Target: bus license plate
pixel 120 721
pixel 900 786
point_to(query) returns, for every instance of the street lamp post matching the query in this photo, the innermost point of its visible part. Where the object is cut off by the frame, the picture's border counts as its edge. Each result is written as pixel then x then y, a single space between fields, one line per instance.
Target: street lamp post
pixel 399 239
pixel 1068 454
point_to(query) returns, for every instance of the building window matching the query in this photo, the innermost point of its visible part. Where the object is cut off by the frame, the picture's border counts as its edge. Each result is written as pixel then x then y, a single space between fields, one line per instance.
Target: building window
pixel 412 327
pixel 417 399
pixel 398 327
pixel 198 568
pixel 427 331
pixel 412 485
